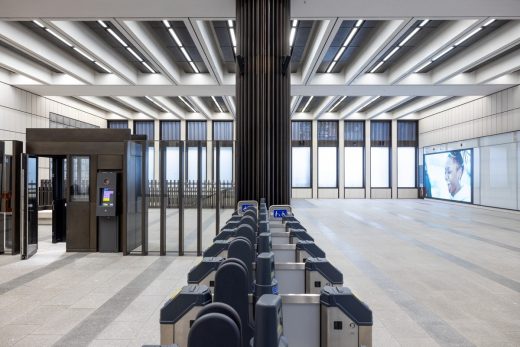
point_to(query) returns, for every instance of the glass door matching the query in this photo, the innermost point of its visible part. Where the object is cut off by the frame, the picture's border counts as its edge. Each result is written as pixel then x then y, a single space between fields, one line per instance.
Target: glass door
pixel 29 206
pixel 171 192
pixel 135 231
pixel 59 199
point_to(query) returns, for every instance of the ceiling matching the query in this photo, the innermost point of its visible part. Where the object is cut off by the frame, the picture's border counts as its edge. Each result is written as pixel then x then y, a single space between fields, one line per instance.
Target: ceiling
pixel 173 59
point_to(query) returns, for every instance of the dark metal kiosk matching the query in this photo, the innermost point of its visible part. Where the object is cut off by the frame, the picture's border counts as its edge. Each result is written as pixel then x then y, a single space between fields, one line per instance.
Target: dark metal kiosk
pixel 99 187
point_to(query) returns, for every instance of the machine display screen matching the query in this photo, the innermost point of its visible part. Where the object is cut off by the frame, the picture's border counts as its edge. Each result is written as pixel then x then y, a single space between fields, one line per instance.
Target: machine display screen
pixel 280 213
pixel 107 197
pixel 448 175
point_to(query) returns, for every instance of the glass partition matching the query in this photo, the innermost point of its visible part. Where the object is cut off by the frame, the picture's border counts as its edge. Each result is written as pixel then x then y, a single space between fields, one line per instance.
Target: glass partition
pixel 354 154
pixel 192 210
pixel 407 143
pixel 80 180
pixel 135 196
pixel 327 154
pixel 301 142
pixel 381 142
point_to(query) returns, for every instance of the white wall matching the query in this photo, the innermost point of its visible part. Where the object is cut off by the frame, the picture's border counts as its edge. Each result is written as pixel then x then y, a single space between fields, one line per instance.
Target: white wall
pixel 491 126
pixel 20 110
pixel 490 115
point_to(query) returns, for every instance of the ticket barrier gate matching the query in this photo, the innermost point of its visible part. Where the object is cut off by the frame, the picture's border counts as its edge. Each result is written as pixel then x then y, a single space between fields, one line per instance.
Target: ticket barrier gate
pixel 297 278
pixel 336 318
pixel 286 253
pixel 333 318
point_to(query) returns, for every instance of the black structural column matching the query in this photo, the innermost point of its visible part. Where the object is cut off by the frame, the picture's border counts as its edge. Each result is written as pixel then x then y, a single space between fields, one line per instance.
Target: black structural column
pixel 263 97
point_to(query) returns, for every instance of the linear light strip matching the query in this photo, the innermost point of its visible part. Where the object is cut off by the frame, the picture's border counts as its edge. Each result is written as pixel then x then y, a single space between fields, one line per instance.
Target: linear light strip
pixel 187 104
pixel 126 46
pixel 368 103
pixel 75 48
pixel 456 44
pixel 401 44
pixel 307 104
pixel 178 41
pixel 216 103
pixel 102 66
pixel 347 41
pixel 331 66
pixel 155 103
pixel 337 104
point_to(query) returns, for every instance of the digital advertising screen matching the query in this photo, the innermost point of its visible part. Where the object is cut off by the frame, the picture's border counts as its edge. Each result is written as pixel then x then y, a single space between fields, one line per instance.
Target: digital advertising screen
pixel 449 175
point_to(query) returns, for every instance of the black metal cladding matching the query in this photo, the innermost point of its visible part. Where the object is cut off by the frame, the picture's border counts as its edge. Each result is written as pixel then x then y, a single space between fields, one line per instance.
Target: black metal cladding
pixel 263 93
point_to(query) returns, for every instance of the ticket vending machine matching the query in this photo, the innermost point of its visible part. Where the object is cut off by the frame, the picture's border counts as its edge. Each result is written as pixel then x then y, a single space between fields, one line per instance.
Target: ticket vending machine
pixel 107 211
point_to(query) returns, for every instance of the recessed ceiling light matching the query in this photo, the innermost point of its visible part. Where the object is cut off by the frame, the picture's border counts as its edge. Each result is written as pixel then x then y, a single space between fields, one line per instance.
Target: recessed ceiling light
pixel 218 105
pixel 307 104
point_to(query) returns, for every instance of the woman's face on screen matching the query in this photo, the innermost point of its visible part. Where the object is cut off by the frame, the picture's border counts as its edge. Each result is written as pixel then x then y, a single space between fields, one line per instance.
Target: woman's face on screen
pixel 452 175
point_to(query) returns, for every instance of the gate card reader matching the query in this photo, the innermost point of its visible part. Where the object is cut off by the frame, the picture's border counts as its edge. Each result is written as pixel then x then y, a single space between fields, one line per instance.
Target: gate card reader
pixel 319 273
pixel 308 249
pixel 345 320
pixel 107 210
pixel 204 272
pixel 269 322
pixel 180 311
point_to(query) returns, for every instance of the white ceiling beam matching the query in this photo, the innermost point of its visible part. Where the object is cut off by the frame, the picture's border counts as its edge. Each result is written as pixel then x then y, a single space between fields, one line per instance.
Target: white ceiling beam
pixel 106 105
pixel 202 47
pixel 139 106
pixel 444 37
pixel 387 105
pixel 95 9
pixel 325 105
pixel 355 106
pixel 230 103
pixel 498 71
pixel 79 105
pixel 169 105
pixel 142 37
pixel 326 90
pixel 29 42
pixel 200 106
pixel 323 37
pixel 86 40
pixel 21 65
pixel 418 105
pixel 496 42
pixel 387 33
pixel 14 78
pixel 295 102
pixel 446 105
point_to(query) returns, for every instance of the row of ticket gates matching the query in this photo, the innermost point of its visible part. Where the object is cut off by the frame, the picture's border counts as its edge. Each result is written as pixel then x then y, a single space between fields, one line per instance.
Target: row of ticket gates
pixel 265 283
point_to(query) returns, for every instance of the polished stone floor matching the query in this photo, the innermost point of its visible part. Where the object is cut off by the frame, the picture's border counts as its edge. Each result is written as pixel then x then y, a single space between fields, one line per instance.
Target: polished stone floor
pixel 434 274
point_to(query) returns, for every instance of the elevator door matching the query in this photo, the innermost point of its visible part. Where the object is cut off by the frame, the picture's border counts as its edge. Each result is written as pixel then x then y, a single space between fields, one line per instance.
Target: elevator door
pixel 29 206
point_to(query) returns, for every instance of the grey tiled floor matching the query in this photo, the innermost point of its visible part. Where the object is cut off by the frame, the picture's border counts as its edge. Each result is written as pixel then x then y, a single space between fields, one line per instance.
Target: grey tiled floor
pixel 434 274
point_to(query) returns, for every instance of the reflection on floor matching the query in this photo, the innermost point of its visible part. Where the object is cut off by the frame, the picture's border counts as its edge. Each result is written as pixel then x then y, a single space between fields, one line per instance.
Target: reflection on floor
pixel 434 274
